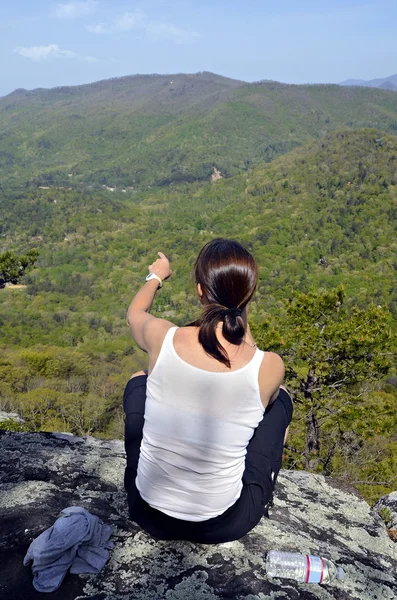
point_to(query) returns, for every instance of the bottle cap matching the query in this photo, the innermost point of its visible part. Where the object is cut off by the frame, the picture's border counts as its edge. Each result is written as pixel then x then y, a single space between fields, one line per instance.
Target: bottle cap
pixel 340 574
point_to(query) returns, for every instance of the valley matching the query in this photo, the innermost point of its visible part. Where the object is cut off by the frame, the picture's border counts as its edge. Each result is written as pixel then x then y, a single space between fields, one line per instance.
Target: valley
pixel 99 178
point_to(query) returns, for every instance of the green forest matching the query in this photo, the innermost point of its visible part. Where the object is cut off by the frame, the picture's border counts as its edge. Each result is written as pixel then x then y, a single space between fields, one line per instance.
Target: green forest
pixel 305 186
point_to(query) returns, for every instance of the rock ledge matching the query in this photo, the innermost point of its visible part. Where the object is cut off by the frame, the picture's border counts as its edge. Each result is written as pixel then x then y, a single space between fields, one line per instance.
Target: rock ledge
pixel 42 473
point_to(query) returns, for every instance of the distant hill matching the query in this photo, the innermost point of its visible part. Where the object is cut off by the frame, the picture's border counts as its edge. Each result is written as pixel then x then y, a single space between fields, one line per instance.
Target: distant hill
pixel 161 129
pixel 386 83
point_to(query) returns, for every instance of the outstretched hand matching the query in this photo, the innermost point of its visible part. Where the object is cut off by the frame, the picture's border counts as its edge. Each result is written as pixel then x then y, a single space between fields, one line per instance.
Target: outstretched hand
pixel 161 267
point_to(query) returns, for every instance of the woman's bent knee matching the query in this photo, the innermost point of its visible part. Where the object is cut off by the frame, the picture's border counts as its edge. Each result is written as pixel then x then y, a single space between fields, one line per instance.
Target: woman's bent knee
pixel 138 373
pixel 285 397
pixel 134 396
pixel 282 387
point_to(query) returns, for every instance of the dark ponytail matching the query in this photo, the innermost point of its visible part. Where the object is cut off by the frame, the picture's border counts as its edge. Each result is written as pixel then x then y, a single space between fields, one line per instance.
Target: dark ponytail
pixel 227 274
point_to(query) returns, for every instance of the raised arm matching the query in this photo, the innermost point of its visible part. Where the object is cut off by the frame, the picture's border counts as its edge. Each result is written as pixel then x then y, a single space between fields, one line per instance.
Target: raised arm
pixel 142 324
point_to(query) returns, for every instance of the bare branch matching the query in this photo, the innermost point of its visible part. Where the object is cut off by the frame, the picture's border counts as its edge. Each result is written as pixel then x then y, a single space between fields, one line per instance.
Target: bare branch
pixel 291 449
pixel 385 483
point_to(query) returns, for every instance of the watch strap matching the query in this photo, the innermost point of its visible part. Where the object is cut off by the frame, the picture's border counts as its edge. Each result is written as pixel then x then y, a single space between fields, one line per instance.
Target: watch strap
pixel 154 276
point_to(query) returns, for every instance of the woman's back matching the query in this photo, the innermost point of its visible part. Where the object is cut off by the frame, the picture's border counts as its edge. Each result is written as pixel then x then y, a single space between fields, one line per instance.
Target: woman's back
pixel 198 423
pixel 203 446
pixel 191 351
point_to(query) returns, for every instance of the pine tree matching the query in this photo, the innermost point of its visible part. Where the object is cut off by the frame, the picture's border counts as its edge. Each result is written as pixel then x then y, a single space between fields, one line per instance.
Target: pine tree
pixel 333 355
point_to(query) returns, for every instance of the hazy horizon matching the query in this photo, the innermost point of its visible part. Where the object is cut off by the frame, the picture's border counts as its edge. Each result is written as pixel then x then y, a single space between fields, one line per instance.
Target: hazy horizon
pixel 181 73
pixel 53 44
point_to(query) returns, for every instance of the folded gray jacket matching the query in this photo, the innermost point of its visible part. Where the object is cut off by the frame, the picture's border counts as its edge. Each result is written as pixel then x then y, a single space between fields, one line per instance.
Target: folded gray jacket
pixel 77 539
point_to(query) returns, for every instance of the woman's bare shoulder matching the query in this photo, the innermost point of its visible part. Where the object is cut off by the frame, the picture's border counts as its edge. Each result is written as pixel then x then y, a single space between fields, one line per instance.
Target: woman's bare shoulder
pixel 271 372
pixel 272 359
pixel 155 331
pixel 271 376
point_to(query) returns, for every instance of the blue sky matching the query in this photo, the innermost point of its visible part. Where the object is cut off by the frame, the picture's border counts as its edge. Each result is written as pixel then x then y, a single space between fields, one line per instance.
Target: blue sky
pixel 47 44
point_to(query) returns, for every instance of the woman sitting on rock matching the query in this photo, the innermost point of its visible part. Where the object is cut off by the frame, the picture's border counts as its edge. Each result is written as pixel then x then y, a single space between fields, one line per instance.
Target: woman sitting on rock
pixel 205 429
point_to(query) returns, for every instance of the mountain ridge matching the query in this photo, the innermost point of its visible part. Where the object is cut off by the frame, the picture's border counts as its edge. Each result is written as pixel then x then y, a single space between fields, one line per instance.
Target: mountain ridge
pixel 161 129
pixel 126 78
pixel 389 83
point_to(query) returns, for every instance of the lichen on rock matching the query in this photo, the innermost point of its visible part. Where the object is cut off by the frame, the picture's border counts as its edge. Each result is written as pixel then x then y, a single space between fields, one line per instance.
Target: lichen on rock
pixel 43 473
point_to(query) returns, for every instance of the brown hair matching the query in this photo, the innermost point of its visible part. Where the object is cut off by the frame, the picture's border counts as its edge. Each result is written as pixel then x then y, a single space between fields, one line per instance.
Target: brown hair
pixel 227 274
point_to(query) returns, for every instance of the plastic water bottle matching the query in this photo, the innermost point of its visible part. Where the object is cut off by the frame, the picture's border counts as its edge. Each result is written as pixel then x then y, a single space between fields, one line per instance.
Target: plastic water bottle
pixel 301 567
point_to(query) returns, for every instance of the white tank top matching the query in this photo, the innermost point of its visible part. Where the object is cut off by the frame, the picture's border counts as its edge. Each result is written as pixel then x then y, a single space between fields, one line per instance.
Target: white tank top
pixel 197 427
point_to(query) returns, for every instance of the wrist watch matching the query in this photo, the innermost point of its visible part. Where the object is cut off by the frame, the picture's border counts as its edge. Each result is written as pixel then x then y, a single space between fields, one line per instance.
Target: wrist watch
pixel 154 276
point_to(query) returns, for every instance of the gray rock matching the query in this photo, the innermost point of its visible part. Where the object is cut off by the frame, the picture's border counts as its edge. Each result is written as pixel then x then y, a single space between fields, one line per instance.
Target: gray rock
pixel 389 503
pixel 42 473
pixel 6 416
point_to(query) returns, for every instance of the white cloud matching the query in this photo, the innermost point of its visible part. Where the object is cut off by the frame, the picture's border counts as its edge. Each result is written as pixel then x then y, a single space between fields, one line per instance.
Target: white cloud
pixel 167 31
pixel 137 20
pixel 43 52
pixel 90 59
pixel 128 21
pixel 96 29
pixel 75 10
pixel 38 53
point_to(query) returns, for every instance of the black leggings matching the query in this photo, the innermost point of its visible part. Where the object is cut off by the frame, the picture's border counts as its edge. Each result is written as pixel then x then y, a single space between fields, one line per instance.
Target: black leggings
pixel 262 464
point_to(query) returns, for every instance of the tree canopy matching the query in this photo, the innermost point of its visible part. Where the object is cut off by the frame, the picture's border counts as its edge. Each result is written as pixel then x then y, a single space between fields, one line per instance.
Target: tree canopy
pixel 333 356
pixel 13 267
pixel 321 223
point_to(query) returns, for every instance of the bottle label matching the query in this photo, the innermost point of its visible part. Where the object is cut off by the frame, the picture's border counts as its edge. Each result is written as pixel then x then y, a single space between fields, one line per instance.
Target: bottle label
pixel 315 569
